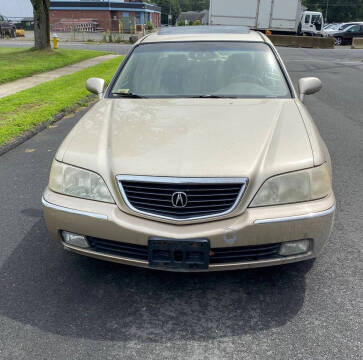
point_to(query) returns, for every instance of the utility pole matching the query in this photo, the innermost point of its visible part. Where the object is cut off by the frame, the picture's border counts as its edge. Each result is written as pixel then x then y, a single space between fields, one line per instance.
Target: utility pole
pixel 169 17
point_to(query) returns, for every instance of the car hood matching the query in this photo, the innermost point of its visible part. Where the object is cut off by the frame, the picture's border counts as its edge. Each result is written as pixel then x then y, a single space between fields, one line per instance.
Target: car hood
pixel 190 138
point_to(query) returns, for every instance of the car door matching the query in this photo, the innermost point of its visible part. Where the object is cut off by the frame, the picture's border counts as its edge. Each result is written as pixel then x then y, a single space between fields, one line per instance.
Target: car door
pixel 317 23
pixel 305 24
pixel 352 32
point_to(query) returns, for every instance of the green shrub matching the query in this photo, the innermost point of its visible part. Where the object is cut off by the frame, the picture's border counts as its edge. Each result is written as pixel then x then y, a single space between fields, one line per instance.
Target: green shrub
pixel 195 23
pixel 149 26
pixel 117 39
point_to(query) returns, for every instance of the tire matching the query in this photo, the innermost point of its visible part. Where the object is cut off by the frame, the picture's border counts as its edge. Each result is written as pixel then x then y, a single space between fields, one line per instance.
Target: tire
pixel 338 41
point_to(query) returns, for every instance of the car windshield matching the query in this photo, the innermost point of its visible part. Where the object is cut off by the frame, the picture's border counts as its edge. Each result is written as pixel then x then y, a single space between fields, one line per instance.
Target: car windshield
pixel 201 69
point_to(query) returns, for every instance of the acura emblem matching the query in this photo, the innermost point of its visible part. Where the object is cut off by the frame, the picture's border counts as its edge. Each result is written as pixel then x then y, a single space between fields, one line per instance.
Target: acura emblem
pixel 179 199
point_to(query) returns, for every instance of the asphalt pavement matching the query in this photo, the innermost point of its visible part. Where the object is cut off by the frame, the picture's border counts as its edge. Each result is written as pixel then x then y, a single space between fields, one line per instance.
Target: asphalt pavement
pixel 58 305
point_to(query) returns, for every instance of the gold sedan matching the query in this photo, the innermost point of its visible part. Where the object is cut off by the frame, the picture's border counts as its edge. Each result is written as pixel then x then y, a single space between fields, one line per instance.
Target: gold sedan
pixel 199 155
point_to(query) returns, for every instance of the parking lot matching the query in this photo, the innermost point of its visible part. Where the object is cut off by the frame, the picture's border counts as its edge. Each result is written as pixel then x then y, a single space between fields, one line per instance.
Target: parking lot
pixel 57 305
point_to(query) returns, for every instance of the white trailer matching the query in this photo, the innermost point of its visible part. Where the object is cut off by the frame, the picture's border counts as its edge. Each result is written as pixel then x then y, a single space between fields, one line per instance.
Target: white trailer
pixel 283 16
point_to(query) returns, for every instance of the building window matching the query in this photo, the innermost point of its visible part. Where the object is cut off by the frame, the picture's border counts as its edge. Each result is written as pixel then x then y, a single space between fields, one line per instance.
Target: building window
pixel 138 19
pixel 126 14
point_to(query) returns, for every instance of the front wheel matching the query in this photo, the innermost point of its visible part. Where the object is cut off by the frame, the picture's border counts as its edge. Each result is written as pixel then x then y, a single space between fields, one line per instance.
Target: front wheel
pixel 338 41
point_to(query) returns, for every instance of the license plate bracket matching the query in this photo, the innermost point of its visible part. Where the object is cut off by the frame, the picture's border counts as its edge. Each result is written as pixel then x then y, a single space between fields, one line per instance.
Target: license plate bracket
pixel 179 255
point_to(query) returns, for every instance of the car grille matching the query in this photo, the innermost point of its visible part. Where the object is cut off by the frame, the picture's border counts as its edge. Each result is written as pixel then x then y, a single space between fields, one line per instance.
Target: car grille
pixel 219 255
pixel 130 251
pixel 182 199
pixel 244 253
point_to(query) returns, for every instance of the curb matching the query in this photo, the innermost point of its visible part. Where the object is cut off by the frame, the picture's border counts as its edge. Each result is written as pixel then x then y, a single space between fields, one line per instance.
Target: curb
pixel 302 41
pixel 12 144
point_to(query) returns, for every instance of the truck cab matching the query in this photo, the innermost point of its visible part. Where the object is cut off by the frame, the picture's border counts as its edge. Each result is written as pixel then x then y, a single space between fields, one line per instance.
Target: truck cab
pixel 276 16
pixel 312 23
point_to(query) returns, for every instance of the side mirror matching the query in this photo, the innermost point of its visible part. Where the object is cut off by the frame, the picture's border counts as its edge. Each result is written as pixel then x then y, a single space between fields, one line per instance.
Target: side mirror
pixel 308 86
pixel 96 86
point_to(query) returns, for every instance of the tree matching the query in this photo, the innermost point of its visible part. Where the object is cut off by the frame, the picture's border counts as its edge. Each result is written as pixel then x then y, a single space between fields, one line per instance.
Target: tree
pixel 41 24
pixel 194 5
pixel 176 6
pixel 337 10
pixel 168 6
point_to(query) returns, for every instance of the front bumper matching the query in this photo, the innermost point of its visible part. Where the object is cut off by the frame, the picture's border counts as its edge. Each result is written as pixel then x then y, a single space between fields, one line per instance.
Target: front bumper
pixel 257 226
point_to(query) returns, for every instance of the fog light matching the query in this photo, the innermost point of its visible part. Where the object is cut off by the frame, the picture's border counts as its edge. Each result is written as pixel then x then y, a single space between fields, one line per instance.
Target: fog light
pixel 294 247
pixel 75 239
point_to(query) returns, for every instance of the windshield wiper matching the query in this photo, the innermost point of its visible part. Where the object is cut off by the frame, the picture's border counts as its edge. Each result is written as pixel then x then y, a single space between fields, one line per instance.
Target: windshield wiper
pixel 212 97
pixel 128 95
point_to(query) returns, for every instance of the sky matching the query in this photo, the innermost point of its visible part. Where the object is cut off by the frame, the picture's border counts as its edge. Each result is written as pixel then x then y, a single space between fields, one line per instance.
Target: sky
pixel 16 8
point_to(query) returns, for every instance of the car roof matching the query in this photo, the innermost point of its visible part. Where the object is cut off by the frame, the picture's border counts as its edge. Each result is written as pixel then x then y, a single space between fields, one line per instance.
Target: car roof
pixel 204 33
pixel 351 25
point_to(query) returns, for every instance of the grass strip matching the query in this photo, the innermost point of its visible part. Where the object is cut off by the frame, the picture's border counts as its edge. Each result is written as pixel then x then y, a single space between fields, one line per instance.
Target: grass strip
pixel 23 111
pixel 17 63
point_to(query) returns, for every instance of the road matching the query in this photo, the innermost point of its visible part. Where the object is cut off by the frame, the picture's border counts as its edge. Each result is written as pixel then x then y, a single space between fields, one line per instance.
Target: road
pixel 340 52
pixel 57 305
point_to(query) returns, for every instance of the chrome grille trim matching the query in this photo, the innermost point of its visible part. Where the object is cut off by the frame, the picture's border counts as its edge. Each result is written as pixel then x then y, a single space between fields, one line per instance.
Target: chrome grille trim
pixel 242 182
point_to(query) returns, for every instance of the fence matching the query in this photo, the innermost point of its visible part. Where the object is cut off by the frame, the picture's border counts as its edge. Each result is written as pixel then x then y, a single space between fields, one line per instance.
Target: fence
pixel 76 25
pixel 125 25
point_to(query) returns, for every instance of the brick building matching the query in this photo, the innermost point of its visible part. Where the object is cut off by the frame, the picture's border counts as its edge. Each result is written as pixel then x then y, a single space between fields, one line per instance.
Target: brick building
pixel 93 15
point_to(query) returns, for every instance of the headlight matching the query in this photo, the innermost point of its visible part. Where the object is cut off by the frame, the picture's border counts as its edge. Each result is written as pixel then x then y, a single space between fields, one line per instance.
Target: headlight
pixel 299 186
pixel 73 181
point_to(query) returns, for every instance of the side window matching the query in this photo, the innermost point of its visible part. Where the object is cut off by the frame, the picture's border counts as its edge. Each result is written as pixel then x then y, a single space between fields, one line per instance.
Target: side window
pixel 316 19
pixel 354 29
pixel 307 19
pixel 345 26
